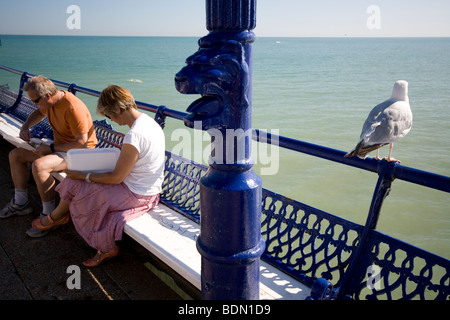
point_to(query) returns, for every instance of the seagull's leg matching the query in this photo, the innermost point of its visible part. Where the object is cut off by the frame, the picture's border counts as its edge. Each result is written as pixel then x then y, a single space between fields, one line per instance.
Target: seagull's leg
pixel 377 157
pixel 389 158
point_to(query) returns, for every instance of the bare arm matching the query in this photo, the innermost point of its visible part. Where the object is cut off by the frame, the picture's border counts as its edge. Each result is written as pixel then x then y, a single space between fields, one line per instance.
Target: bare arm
pixel 127 159
pixel 79 142
pixel 32 120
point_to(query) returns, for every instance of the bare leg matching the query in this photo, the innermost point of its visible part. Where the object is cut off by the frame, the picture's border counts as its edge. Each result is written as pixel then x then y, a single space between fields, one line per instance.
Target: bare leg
pixel 57 217
pixel 18 161
pixel 60 212
pixel 42 169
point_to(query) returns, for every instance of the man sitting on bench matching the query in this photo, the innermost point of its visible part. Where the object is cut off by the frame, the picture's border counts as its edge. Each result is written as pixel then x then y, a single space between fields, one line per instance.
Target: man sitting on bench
pixel 72 127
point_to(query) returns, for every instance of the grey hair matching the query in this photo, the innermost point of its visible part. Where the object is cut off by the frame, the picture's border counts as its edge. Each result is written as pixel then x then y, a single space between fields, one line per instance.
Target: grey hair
pixel 41 86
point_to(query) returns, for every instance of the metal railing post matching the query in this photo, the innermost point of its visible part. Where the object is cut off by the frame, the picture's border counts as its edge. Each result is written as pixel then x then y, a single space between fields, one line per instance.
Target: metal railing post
pixel 356 269
pixel 230 241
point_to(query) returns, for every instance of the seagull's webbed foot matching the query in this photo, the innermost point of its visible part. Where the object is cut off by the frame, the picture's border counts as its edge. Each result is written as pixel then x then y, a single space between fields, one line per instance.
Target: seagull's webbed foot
pixel 390 159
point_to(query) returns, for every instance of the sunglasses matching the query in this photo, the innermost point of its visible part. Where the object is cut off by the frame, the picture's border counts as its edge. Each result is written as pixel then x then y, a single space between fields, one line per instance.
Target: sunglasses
pixel 109 116
pixel 37 100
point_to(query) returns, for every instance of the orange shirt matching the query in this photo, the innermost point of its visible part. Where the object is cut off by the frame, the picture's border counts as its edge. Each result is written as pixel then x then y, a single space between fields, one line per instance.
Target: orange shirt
pixel 69 118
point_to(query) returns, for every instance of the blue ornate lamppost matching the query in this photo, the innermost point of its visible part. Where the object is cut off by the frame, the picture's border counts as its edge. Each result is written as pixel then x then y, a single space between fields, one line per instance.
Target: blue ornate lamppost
pixel 230 241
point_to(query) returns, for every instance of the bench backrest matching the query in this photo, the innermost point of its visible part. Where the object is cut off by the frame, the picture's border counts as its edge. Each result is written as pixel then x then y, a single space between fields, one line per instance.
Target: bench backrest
pixel 106 136
pixel 21 109
pixel 7 97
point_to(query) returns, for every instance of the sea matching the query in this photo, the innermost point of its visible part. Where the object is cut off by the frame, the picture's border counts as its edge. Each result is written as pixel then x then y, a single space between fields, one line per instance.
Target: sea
pixel 317 90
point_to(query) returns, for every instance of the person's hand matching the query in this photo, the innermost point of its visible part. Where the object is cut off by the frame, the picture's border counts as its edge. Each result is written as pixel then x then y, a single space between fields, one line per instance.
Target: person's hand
pixel 25 134
pixel 43 150
pixel 75 175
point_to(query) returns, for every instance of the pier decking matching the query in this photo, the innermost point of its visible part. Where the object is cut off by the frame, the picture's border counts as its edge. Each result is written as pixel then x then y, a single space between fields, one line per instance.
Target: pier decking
pixel 37 269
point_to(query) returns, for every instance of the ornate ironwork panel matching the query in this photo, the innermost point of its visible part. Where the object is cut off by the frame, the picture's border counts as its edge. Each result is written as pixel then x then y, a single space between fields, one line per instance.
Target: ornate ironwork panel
pixel 106 136
pixel 181 186
pixel 305 242
pixel 395 270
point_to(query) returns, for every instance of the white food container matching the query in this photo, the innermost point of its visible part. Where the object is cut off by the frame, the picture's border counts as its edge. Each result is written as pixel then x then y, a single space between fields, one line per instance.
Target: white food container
pixel 93 160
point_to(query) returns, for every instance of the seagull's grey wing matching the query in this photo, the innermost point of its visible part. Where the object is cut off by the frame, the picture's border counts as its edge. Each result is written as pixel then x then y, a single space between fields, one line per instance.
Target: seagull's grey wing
pixel 370 128
pixel 371 132
pixel 391 124
pixel 387 122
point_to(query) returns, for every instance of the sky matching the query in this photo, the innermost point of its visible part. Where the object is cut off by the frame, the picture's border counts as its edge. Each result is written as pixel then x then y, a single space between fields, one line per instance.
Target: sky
pixel 275 18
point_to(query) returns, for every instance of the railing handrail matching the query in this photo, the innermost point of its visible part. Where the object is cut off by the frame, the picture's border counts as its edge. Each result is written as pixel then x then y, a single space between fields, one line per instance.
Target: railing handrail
pixel 424 178
pixel 420 177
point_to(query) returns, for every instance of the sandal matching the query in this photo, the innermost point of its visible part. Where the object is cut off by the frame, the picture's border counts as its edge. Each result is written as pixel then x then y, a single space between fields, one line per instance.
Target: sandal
pixel 37 223
pixel 100 257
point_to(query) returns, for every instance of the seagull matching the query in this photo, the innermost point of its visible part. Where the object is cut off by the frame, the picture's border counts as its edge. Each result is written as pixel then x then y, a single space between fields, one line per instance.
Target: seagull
pixel 388 122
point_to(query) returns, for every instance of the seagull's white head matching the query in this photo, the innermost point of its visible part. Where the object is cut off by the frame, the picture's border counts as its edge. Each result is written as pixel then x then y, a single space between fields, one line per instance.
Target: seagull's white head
pixel 400 91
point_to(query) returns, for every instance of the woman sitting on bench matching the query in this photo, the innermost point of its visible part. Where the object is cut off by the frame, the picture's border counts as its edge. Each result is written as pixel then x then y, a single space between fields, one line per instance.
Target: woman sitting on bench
pixel 101 203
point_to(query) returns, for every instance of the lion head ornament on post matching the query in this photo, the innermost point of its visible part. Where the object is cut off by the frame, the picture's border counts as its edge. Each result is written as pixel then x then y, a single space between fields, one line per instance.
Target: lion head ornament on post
pixel 218 72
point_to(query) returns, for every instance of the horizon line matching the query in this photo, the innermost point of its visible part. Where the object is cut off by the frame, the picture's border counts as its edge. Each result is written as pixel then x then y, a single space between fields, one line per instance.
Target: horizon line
pixel 193 36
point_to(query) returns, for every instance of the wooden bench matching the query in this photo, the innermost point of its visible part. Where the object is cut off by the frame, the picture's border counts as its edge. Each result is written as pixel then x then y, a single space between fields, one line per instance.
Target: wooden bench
pixel 165 231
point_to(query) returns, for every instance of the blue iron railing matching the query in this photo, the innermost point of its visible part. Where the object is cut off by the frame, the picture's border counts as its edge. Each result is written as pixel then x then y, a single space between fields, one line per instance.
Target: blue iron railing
pixel 339 259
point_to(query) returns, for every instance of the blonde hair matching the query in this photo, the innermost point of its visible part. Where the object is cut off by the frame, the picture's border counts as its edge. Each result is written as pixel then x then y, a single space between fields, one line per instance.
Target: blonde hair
pixel 115 97
pixel 41 86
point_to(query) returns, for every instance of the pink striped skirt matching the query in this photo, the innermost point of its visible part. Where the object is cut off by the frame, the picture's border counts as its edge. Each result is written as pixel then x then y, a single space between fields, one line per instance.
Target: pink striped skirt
pixel 99 211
